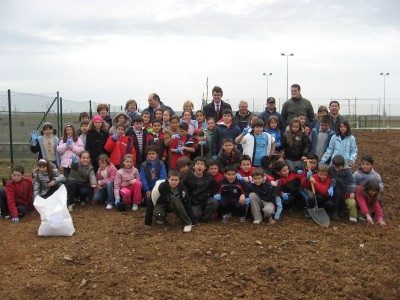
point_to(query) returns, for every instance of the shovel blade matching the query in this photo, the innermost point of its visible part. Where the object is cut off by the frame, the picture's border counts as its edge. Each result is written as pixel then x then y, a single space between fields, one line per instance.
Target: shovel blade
pixel 319 216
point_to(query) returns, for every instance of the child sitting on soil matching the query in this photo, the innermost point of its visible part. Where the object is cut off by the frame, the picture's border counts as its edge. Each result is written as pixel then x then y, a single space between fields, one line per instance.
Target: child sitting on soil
pixel 321 182
pixel 46 179
pixel 169 195
pixel 46 144
pixel 105 182
pixel 289 184
pixel 366 172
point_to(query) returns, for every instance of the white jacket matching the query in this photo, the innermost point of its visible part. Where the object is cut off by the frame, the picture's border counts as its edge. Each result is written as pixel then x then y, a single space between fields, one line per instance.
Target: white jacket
pixel 248 144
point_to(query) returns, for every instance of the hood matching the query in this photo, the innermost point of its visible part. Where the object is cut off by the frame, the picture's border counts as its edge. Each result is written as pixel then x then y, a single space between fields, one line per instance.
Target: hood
pixel 127 119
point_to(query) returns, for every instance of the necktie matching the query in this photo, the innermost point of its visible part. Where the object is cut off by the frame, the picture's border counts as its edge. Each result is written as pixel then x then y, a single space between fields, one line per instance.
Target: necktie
pixel 217 110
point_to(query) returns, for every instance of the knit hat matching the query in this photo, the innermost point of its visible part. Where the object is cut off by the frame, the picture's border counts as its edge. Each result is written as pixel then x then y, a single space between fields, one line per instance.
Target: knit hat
pixel 97 118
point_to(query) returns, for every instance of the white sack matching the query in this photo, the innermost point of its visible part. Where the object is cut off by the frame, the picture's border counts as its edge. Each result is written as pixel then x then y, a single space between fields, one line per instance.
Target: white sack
pixel 56 220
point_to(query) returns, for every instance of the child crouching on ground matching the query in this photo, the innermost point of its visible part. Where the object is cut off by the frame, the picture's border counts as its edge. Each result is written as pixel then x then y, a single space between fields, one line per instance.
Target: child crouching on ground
pixel 46 179
pixel 105 181
pixel 170 195
pixel 264 198
pixel 127 184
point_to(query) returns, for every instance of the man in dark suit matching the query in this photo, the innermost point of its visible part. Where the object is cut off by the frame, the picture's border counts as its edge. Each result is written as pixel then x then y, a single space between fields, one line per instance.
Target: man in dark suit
pixel 214 108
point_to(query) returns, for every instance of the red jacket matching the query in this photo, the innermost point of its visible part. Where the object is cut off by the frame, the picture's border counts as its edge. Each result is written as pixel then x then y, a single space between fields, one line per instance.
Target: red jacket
pixel 247 176
pixel 321 187
pixel 175 143
pixel 119 148
pixel 19 193
pixel 162 151
pixel 363 202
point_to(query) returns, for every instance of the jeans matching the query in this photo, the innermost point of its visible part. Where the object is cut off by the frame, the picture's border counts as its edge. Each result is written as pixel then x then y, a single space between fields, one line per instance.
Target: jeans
pixel 227 205
pixel 106 194
pixel 77 189
pixel 204 211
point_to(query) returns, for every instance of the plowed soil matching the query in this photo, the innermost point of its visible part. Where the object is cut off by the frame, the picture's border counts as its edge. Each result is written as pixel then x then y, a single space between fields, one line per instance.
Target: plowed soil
pixel 112 255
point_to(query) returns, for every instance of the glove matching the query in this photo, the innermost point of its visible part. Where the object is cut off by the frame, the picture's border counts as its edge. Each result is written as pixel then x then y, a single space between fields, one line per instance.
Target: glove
pixel 330 191
pixel 246 130
pixel 285 196
pixel 176 136
pixel 203 143
pixel 214 157
pixel 68 143
pixel 239 177
pixel 247 201
pixel 179 150
pixel 34 135
pixel 15 220
pixel 309 173
pixel 277 182
pixel 217 197
pixel 74 159
pixel 299 172
pixel 117 201
pixel 115 137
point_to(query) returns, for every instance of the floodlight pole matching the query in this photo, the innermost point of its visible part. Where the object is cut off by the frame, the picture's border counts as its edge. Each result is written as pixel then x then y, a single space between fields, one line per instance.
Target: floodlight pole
pixel 384 96
pixel 287 73
pixel 267 74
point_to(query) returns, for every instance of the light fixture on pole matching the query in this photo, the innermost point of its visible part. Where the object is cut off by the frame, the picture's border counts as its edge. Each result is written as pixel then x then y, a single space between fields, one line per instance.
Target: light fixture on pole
pixel 384 96
pixel 267 74
pixel 287 73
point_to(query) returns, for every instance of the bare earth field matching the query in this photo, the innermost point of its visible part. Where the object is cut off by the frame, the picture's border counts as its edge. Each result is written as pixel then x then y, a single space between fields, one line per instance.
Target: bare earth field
pixel 112 255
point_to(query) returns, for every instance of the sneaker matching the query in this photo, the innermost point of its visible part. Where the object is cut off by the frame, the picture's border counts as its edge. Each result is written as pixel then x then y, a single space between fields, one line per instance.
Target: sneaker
pixel 306 213
pixel 83 203
pixel 6 216
pixel 135 207
pixel 109 206
pixel 70 208
pixel 257 222
pixel 187 228
pixel 226 217
pixel 362 219
pixel 353 220
pixel 160 222
pixel 242 219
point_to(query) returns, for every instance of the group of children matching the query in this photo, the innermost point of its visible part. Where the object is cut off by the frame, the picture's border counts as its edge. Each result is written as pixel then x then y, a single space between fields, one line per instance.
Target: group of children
pixel 214 168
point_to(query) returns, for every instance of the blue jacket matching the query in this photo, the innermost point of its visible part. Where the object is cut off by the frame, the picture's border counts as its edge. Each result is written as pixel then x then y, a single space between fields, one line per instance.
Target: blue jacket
pixel 346 147
pixel 145 174
pixel 266 114
pixel 222 132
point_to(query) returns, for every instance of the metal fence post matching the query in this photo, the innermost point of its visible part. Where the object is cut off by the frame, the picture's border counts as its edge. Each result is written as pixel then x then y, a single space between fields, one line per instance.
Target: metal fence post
pixel 58 113
pixel 10 128
pixel 61 117
pixel 90 109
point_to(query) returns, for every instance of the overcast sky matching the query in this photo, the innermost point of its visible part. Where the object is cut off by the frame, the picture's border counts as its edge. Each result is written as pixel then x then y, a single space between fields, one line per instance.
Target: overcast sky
pixel 112 51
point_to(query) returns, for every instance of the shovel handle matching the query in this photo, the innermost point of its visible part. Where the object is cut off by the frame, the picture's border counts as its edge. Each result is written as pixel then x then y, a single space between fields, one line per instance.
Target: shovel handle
pixel 312 187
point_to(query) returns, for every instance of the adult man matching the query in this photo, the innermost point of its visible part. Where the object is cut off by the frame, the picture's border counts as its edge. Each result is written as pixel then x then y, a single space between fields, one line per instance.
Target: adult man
pixel 296 105
pixel 217 106
pixel 334 115
pixel 242 116
pixel 155 102
pixel 270 110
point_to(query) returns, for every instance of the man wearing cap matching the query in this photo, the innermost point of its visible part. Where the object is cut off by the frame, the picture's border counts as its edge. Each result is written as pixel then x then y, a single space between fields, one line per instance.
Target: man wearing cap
pixel 270 110
pixel 217 106
pixel 242 116
pixel 154 103
pixel 334 115
pixel 297 105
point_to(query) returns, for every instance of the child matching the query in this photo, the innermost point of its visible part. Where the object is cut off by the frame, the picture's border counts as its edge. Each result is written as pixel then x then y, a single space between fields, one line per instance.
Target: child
pixel 208 133
pixel 343 143
pixel 228 155
pixel 321 136
pixel 169 195
pixel 213 170
pixel 303 118
pixel 201 188
pixel 131 108
pixel 46 144
pixel 166 118
pixel 256 143
pixel 146 121
pixel 296 145
pixel 342 185
pixel 158 114
pixel 105 177
pixel 127 184
pixel 268 164
pixel 183 165
pixel 84 127
pixel 83 116
pixel 366 173
pixel 273 129
pixel 156 139
pixel 201 120
pixel 152 169
pixel 16 200
pixel 264 198
pixel 225 129
pixel 245 168
pixel 121 118
pixel 96 140
pixel 102 110
pixel 181 145
pixel 231 195
pixel 120 144
pixel 139 139
pixel 81 180
pixel 289 184
pixel 46 179
pixel 70 145
pixel 187 118
pixel 201 147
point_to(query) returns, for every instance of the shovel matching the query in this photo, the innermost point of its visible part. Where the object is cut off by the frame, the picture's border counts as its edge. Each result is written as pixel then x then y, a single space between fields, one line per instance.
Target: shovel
pixel 319 215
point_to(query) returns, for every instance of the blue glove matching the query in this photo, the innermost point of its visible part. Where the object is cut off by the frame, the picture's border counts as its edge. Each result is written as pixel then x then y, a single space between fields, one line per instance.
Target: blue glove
pixel 299 172
pixel 309 173
pixel 68 143
pixel 247 201
pixel 246 130
pixel 277 182
pixel 239 177
pixel 203 143
pixel 330 191
pixel 285 196
pixel 215 157
pixel 34 135
pixel 179 150
pixel 176 136
pixel 217 197
pixel 115 137
pixel 74 159
pixel 117 201
pixel 15 220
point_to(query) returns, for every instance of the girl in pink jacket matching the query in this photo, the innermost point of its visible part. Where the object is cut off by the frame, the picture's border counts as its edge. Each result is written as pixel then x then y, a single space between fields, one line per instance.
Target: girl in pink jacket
pixel 367 200
pixel 70 145
pixel 127 184
pixel 105 177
